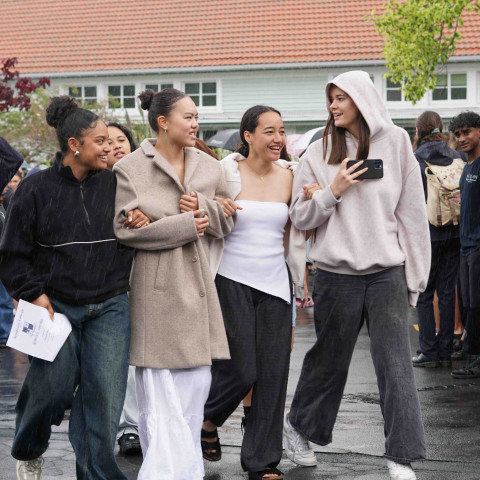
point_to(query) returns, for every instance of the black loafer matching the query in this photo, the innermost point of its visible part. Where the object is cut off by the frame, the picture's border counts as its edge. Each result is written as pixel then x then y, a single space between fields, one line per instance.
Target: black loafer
pixel 423 361
pixel 130 444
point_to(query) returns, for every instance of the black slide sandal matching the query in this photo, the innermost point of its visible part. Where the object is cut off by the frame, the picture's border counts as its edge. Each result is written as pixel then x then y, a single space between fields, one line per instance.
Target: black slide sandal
pixel 216 455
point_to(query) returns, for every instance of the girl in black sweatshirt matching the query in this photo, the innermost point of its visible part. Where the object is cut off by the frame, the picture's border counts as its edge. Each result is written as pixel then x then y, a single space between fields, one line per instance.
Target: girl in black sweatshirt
pixel 58 251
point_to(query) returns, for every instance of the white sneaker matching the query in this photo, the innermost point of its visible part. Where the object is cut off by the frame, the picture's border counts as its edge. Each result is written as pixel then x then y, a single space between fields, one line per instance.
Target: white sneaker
pixel 30 469
pixel 400 471
pixel 296 446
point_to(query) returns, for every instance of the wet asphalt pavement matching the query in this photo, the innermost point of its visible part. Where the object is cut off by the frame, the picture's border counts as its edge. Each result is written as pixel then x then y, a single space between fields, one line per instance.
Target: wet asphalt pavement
pixel 451 412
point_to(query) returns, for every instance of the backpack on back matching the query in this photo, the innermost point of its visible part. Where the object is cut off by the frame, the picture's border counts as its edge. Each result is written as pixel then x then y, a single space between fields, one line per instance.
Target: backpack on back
pixel 443 193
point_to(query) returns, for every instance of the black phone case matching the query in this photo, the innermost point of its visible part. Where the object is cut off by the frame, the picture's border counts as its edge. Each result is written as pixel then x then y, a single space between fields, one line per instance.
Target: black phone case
pixel 374 165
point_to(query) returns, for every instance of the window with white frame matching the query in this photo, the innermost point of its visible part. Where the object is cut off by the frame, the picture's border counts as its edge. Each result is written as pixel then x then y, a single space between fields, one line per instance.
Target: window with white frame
pixel 394 92
pixel 87 94
pixel 122 96
pixel 450 87
pixel 156 87
pixel 204 94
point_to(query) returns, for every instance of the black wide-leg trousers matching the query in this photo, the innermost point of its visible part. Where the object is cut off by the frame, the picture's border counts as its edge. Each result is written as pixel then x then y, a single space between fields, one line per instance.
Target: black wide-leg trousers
pixel 259 328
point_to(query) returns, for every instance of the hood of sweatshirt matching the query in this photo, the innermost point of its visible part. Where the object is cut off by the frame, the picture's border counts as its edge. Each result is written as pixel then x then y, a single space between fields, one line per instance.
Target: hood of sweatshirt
pixel 360 88
pixel 376 224
pixel 436 153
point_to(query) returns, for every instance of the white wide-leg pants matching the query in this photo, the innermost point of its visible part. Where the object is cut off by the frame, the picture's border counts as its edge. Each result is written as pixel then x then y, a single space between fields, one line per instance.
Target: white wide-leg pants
pixel 170 405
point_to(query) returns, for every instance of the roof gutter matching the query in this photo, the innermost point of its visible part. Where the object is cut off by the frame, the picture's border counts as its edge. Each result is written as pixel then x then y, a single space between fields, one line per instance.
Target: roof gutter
pixel 236 68
pixel 213 68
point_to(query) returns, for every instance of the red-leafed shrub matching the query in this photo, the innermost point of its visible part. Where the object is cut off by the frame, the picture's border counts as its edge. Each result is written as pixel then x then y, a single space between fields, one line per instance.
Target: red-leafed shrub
pixel 18 95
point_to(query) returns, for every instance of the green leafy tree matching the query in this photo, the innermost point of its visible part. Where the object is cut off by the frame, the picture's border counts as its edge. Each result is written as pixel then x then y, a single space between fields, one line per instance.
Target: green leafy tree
pixel 419 35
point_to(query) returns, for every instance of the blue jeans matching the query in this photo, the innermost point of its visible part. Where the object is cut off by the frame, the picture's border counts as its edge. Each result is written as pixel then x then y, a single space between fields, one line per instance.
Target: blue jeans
pixel 6 314
pixel 95 359
pixel 442 279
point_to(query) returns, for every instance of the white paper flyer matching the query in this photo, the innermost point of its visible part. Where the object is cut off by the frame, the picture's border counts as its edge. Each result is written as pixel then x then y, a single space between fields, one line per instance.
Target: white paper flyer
pixel 34 333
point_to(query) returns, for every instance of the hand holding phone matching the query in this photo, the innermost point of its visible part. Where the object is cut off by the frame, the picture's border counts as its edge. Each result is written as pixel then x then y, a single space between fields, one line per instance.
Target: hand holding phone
pixel 374 168
pixel 346 177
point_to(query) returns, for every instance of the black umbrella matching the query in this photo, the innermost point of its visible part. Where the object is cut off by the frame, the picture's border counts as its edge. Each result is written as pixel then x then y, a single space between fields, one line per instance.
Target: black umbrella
pixel 226 139
pixel 318 135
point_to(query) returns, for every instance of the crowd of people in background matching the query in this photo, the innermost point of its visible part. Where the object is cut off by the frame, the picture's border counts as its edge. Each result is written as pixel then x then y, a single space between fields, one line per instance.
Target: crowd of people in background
pixel 178 274
pixel 454 274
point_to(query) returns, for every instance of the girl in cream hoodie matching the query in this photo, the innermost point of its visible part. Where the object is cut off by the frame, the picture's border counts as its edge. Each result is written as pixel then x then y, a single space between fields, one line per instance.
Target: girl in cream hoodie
pixel 372 250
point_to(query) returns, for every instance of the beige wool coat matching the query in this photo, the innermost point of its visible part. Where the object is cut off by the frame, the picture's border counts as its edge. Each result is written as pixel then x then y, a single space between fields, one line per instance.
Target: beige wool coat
pixel 175 313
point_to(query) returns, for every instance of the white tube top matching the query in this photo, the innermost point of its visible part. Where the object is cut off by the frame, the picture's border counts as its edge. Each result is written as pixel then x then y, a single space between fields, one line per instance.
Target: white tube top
pixel 254 254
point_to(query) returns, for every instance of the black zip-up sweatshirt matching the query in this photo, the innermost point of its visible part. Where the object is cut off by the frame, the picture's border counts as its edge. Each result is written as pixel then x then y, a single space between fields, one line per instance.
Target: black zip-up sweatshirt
pixel 58 239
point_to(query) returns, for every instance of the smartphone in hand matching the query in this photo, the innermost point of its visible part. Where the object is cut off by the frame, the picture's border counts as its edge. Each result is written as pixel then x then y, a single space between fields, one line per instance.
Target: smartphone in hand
pixel 374 165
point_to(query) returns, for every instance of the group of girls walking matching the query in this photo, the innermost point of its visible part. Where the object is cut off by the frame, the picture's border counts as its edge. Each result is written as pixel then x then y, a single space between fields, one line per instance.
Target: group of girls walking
pixel 211 294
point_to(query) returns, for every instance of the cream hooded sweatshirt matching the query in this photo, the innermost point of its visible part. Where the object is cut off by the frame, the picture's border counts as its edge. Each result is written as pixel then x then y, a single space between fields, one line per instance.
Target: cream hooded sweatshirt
pixel 376 224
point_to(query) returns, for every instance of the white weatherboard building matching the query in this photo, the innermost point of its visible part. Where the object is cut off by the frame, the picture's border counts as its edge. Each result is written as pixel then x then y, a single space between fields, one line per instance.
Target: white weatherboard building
pixel 296 91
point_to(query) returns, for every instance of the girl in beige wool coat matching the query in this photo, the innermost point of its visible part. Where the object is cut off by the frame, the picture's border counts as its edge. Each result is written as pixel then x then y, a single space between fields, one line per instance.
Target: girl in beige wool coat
pixel 177 325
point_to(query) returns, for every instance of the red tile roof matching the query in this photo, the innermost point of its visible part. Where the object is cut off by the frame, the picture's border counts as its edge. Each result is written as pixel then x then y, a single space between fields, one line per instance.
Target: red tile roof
pixel 101 35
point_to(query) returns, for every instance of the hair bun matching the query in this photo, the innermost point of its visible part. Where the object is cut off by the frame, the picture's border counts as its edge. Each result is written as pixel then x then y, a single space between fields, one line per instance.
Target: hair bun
pixel 59 108
pixel 146 98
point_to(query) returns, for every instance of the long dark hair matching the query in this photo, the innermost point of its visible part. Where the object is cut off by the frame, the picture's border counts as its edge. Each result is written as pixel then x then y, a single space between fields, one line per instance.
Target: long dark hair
pixel 429 129
pixel 68 119
pixel 249 123
pixel 159 103
pixel 339 145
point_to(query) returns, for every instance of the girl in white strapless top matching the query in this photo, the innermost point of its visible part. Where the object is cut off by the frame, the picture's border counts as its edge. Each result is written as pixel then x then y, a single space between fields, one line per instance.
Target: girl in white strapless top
pixel 254 254
pixel 256 299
